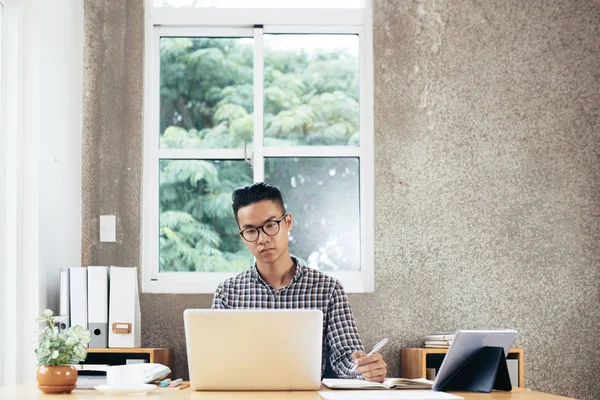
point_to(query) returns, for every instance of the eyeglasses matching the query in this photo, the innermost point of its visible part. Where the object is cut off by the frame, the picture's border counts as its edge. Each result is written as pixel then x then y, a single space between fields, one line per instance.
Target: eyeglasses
pixel 270 228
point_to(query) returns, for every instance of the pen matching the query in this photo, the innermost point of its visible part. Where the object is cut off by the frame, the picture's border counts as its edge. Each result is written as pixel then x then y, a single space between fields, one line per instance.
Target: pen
pixel 176 382
pixel 376 348
pixel 165 383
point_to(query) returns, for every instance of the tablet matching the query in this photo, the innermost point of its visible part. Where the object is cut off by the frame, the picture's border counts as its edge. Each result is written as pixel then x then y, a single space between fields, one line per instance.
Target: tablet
pixel 468 342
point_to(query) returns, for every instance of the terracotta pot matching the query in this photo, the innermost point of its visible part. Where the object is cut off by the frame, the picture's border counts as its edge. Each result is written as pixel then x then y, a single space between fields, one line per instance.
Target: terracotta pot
pixel 54 380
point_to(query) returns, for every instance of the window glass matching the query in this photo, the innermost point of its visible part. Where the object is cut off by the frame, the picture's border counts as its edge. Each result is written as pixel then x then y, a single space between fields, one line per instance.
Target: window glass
pixel 198 231
pixel 322 194
pixel 311 90
pixel 206 92
pixel 260 3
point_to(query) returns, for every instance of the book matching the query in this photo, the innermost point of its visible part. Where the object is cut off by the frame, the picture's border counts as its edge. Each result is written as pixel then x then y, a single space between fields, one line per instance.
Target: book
pixel 441 342
pixel 388 383
pixel 438 344
pixel 440 336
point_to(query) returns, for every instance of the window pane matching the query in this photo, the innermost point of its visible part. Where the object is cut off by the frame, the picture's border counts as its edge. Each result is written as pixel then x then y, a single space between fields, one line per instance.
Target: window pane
pixel 311 90
pixel 261 3
pixel 198 231
pixel 322 194
pixel 206 92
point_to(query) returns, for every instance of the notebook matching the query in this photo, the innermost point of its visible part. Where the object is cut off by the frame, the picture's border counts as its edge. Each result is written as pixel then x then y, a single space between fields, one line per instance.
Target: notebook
pixel 388 383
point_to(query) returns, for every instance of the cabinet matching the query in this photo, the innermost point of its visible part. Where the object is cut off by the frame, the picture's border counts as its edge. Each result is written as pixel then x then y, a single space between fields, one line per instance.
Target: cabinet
pixel 120 356
pixel 415 361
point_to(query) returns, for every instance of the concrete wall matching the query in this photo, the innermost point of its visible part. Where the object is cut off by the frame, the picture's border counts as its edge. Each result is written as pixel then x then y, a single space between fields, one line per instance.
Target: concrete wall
pixel 487 203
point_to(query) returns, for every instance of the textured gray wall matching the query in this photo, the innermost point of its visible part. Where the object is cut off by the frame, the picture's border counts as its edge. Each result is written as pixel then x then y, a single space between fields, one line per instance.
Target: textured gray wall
pixel 486 160
pixel 113 90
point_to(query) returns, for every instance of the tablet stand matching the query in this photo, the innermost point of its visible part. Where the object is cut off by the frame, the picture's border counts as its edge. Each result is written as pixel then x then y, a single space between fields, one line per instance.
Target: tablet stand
pixel 485 371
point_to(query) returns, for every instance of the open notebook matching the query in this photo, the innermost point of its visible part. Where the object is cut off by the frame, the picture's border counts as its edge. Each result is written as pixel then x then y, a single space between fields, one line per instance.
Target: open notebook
pixel 388 383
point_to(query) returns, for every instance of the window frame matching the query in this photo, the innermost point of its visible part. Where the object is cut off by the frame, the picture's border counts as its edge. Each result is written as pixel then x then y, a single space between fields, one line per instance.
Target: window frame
pixel 3 280
pixel 210 22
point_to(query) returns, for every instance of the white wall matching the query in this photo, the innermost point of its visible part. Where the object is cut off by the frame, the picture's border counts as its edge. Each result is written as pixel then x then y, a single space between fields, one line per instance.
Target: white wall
pixel 61 55
pixel 43 181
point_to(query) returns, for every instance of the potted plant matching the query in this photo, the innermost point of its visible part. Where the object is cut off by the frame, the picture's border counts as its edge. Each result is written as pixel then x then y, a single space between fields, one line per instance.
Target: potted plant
pixel 57 353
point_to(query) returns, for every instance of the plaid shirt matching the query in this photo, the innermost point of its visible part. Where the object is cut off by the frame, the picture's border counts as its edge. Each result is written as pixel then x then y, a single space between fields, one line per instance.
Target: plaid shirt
pixel 308 288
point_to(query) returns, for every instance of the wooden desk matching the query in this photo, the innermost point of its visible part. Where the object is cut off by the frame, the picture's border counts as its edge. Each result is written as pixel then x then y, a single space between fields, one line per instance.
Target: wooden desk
pixel 30 391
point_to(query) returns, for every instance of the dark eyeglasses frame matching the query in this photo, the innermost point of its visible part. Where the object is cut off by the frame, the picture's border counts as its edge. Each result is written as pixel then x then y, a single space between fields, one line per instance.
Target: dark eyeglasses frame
pixel 261 228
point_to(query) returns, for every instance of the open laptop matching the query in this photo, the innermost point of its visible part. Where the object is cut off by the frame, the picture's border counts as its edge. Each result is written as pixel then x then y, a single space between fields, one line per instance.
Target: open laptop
pixel 254 349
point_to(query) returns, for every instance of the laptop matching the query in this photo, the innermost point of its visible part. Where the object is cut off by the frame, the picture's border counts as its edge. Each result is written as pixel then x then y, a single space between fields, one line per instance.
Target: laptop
pixel 254 349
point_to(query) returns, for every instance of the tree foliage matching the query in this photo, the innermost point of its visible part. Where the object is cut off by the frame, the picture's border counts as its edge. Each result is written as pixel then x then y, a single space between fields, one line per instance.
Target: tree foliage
pixel 206 101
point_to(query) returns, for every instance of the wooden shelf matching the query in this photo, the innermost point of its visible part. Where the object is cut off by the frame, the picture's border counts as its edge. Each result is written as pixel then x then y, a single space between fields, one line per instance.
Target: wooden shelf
pixel 415 361
pixel 118 356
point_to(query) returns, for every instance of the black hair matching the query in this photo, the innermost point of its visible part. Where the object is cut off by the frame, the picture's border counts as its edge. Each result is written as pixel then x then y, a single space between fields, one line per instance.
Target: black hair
pixel 246 195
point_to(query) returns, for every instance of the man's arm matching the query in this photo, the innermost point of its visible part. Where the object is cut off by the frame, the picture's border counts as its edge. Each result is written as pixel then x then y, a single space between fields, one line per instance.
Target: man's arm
pixel 219 299
pixel 342 335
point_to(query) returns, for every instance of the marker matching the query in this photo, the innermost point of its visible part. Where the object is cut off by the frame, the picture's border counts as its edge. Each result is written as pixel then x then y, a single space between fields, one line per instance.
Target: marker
pixel 176 382
pixel 376 348
pixel 165 383
pixel 184 386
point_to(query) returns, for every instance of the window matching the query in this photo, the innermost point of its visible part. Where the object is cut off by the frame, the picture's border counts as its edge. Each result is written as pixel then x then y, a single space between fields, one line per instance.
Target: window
pixel 260 3
pixel 235 96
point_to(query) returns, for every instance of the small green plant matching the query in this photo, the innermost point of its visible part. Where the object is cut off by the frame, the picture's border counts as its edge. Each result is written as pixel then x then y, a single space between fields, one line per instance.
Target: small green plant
pixel 57 347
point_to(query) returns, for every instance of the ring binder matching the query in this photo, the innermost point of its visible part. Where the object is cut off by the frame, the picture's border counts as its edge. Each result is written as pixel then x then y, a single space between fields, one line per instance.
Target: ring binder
pixel 124 309
pixel 485 371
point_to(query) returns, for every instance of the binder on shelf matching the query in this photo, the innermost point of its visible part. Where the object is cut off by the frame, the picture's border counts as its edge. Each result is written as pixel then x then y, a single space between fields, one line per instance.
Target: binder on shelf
pixel 63 302
pixel 97 287
pixel 513 371
pixel 485 371
pixel 78 296
pixel 124 309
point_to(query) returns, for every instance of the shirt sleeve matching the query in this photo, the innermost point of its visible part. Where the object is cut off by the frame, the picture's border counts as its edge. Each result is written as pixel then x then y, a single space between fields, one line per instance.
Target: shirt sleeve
pixel 219 299
pixel 342 335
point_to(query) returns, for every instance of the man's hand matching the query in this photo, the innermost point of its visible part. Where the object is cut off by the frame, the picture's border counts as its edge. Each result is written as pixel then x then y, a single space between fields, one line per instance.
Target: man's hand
pixel 371 367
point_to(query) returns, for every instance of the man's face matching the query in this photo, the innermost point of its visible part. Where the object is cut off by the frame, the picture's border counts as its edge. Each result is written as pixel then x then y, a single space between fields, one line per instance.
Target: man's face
pixel 266 249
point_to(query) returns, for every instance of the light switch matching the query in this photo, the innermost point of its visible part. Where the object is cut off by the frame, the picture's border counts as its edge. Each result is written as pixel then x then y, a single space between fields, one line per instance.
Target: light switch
pixel 108 228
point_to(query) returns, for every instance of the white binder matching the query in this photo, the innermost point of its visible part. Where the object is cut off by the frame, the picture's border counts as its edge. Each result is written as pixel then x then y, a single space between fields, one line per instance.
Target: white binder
pixel 63 304
pixel 97 285
pixel 78 299
pixel 124 310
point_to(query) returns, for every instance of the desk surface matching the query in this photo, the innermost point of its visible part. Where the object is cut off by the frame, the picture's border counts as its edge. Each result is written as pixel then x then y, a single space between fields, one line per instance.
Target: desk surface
pixel 30 391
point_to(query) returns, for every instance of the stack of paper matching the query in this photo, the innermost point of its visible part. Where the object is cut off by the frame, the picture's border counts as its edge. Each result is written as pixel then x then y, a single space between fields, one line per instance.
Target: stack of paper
pixel 386 395
pixel 439 340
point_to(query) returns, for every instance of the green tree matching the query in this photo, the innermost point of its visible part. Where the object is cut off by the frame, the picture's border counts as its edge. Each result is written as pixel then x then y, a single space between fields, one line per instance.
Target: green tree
pixel 206 101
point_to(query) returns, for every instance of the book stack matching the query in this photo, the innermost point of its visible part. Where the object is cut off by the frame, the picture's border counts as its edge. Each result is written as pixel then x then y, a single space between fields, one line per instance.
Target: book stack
pixel 439 340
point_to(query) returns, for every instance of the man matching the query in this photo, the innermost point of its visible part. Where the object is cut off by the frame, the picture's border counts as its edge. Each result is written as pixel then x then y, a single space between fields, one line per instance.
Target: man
pixel 277 280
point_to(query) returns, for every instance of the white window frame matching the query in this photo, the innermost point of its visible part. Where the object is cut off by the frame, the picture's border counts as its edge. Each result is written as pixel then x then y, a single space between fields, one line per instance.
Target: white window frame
pixel 3 278
pixel 207 22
